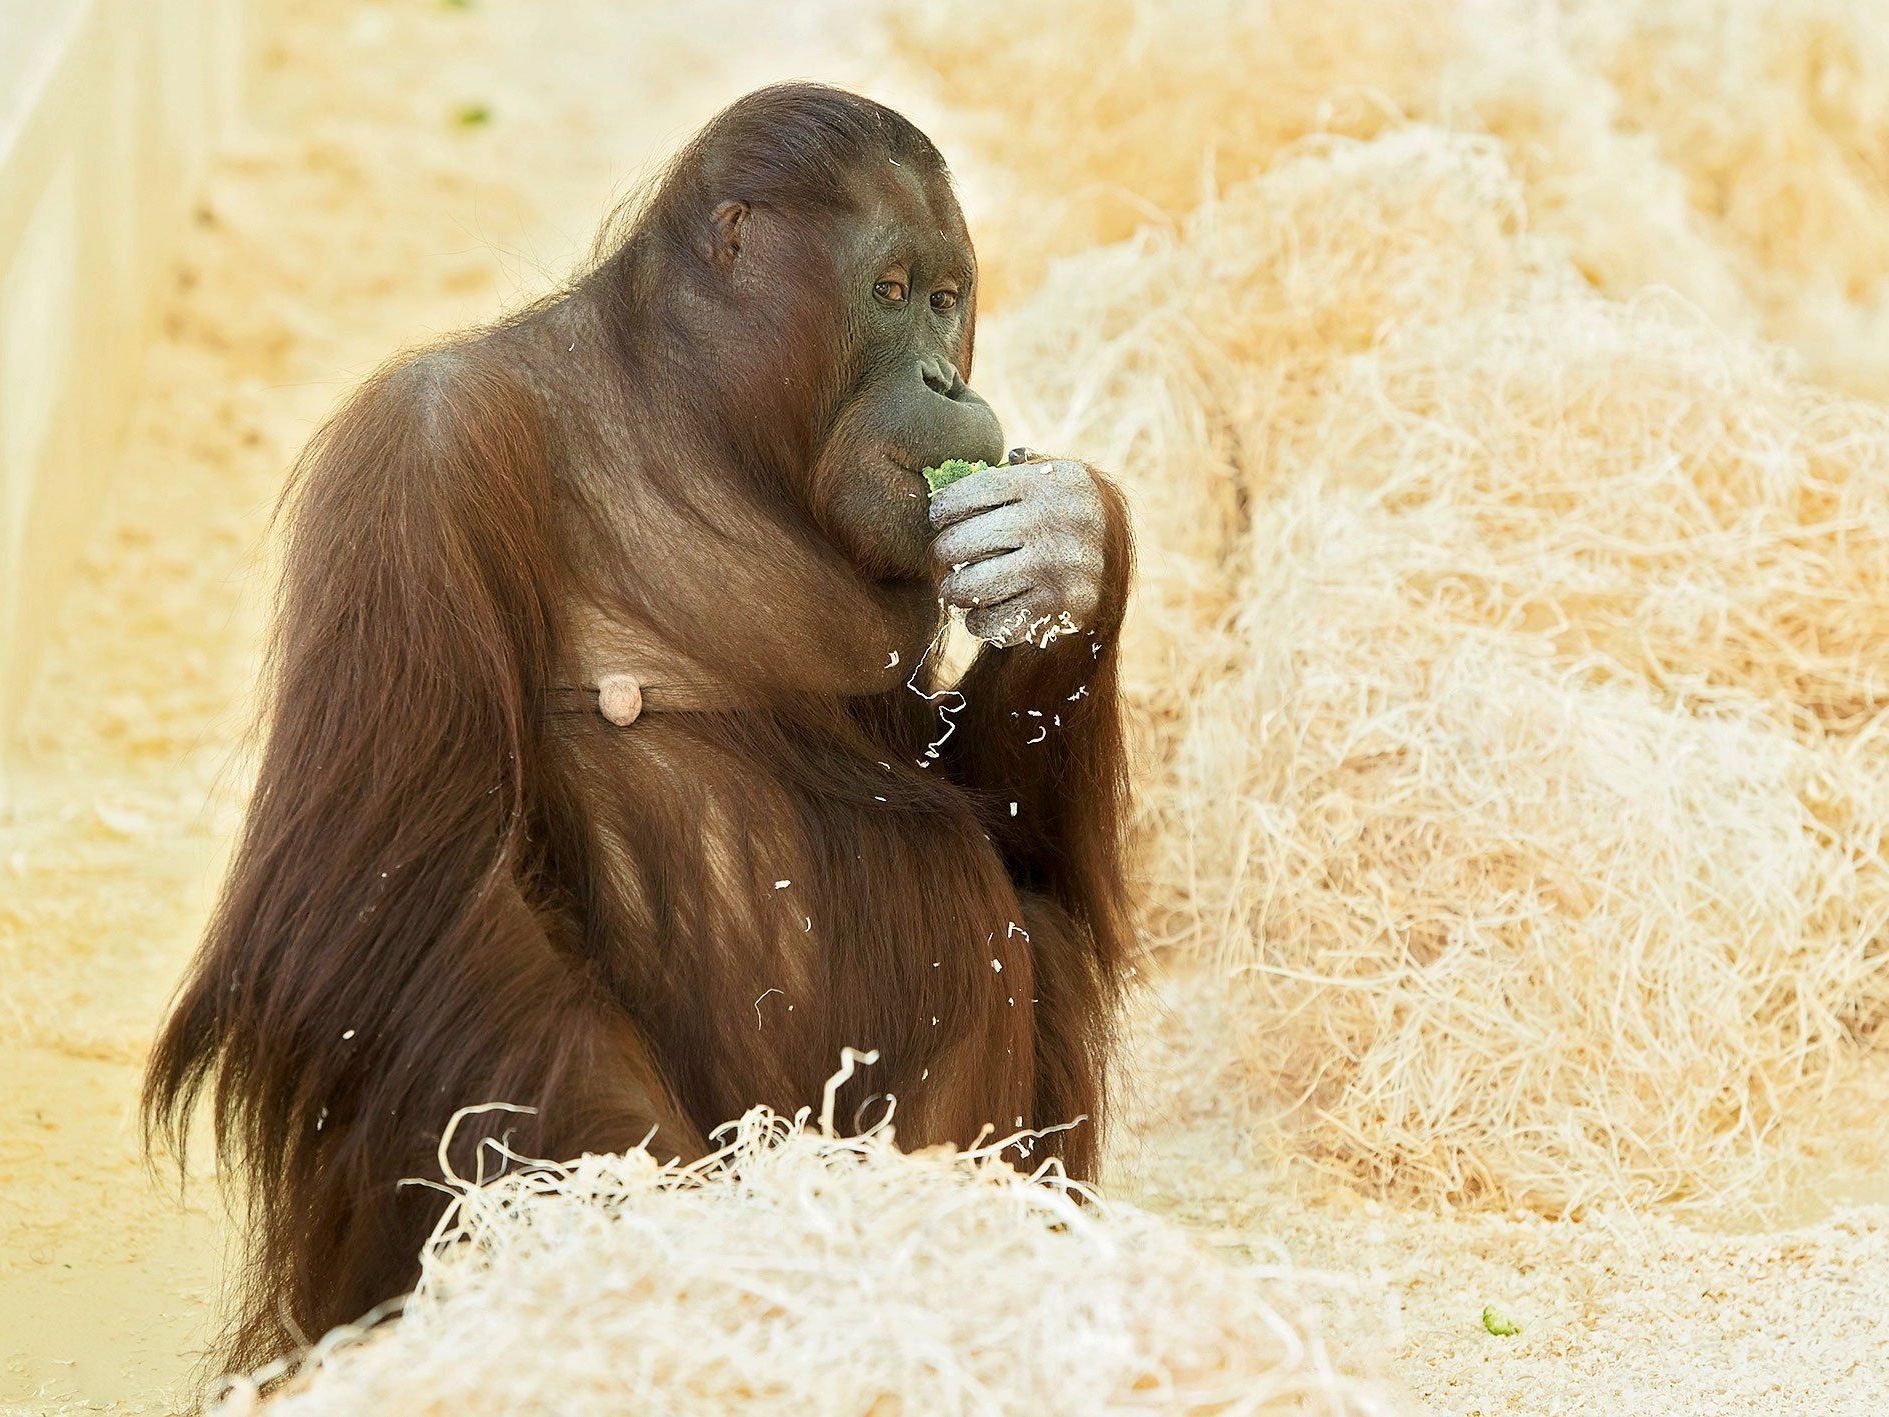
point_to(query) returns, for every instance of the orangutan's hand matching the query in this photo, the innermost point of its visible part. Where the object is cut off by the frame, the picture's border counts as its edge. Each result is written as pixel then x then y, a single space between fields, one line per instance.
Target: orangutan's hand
pixel 1020 549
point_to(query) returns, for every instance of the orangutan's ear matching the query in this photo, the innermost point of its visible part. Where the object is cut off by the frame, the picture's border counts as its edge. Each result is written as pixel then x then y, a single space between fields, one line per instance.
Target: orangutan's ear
pixel 725 232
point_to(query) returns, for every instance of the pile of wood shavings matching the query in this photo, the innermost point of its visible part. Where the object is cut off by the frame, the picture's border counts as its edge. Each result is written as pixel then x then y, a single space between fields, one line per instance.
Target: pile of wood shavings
pixel 795 1271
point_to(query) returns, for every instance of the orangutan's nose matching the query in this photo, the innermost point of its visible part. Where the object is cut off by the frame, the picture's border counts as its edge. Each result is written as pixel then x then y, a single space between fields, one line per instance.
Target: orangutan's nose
pixel 941 377
pixel 950 420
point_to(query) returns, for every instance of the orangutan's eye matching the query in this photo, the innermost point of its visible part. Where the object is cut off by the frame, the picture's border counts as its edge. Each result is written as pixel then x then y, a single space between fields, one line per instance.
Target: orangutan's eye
pixel 943 299
pixel 893 290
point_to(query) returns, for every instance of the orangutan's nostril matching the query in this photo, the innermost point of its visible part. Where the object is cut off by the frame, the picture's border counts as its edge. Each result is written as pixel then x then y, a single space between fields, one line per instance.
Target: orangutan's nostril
pixel 940 377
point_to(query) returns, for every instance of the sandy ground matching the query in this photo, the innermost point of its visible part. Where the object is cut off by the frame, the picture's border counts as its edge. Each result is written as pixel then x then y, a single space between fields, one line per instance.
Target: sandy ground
pixel 417 167
pixel 1776 1313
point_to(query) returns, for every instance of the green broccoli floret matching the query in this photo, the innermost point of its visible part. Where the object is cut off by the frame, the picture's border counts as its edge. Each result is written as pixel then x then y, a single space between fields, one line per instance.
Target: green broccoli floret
pixel 952 470
pixel 1498 1323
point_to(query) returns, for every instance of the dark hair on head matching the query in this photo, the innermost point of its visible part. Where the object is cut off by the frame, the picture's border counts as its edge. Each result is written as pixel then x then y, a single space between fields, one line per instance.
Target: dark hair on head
pixel 791 146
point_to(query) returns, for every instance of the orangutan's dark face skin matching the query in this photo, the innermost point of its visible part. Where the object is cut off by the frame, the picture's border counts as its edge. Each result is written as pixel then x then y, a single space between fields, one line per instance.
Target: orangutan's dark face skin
pixel 909 272
pixel 899 308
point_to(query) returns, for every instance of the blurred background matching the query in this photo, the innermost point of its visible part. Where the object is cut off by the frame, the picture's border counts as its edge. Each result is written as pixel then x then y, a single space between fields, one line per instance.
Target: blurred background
pixel 1498 385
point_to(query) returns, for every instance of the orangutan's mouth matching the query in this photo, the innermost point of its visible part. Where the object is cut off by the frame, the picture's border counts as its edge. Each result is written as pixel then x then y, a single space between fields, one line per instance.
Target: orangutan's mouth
pixel 916 474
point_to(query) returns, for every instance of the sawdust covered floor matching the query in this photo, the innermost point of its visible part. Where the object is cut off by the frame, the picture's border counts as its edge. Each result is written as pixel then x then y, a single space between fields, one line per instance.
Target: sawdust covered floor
pixel 1733 1313
pixel 415 168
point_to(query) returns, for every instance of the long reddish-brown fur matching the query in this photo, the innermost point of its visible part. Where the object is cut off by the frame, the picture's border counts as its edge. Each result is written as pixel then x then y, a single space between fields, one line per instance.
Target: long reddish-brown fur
pixel 452 888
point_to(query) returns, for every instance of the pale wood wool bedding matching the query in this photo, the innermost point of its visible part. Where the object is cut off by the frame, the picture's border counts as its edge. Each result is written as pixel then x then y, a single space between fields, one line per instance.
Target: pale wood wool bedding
pixel 796 1271
pixel 1523 764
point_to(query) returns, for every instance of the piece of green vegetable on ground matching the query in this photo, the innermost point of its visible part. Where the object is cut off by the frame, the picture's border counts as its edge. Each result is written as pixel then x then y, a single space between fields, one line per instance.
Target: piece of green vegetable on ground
pixel 1499 1323
pixel 952 470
